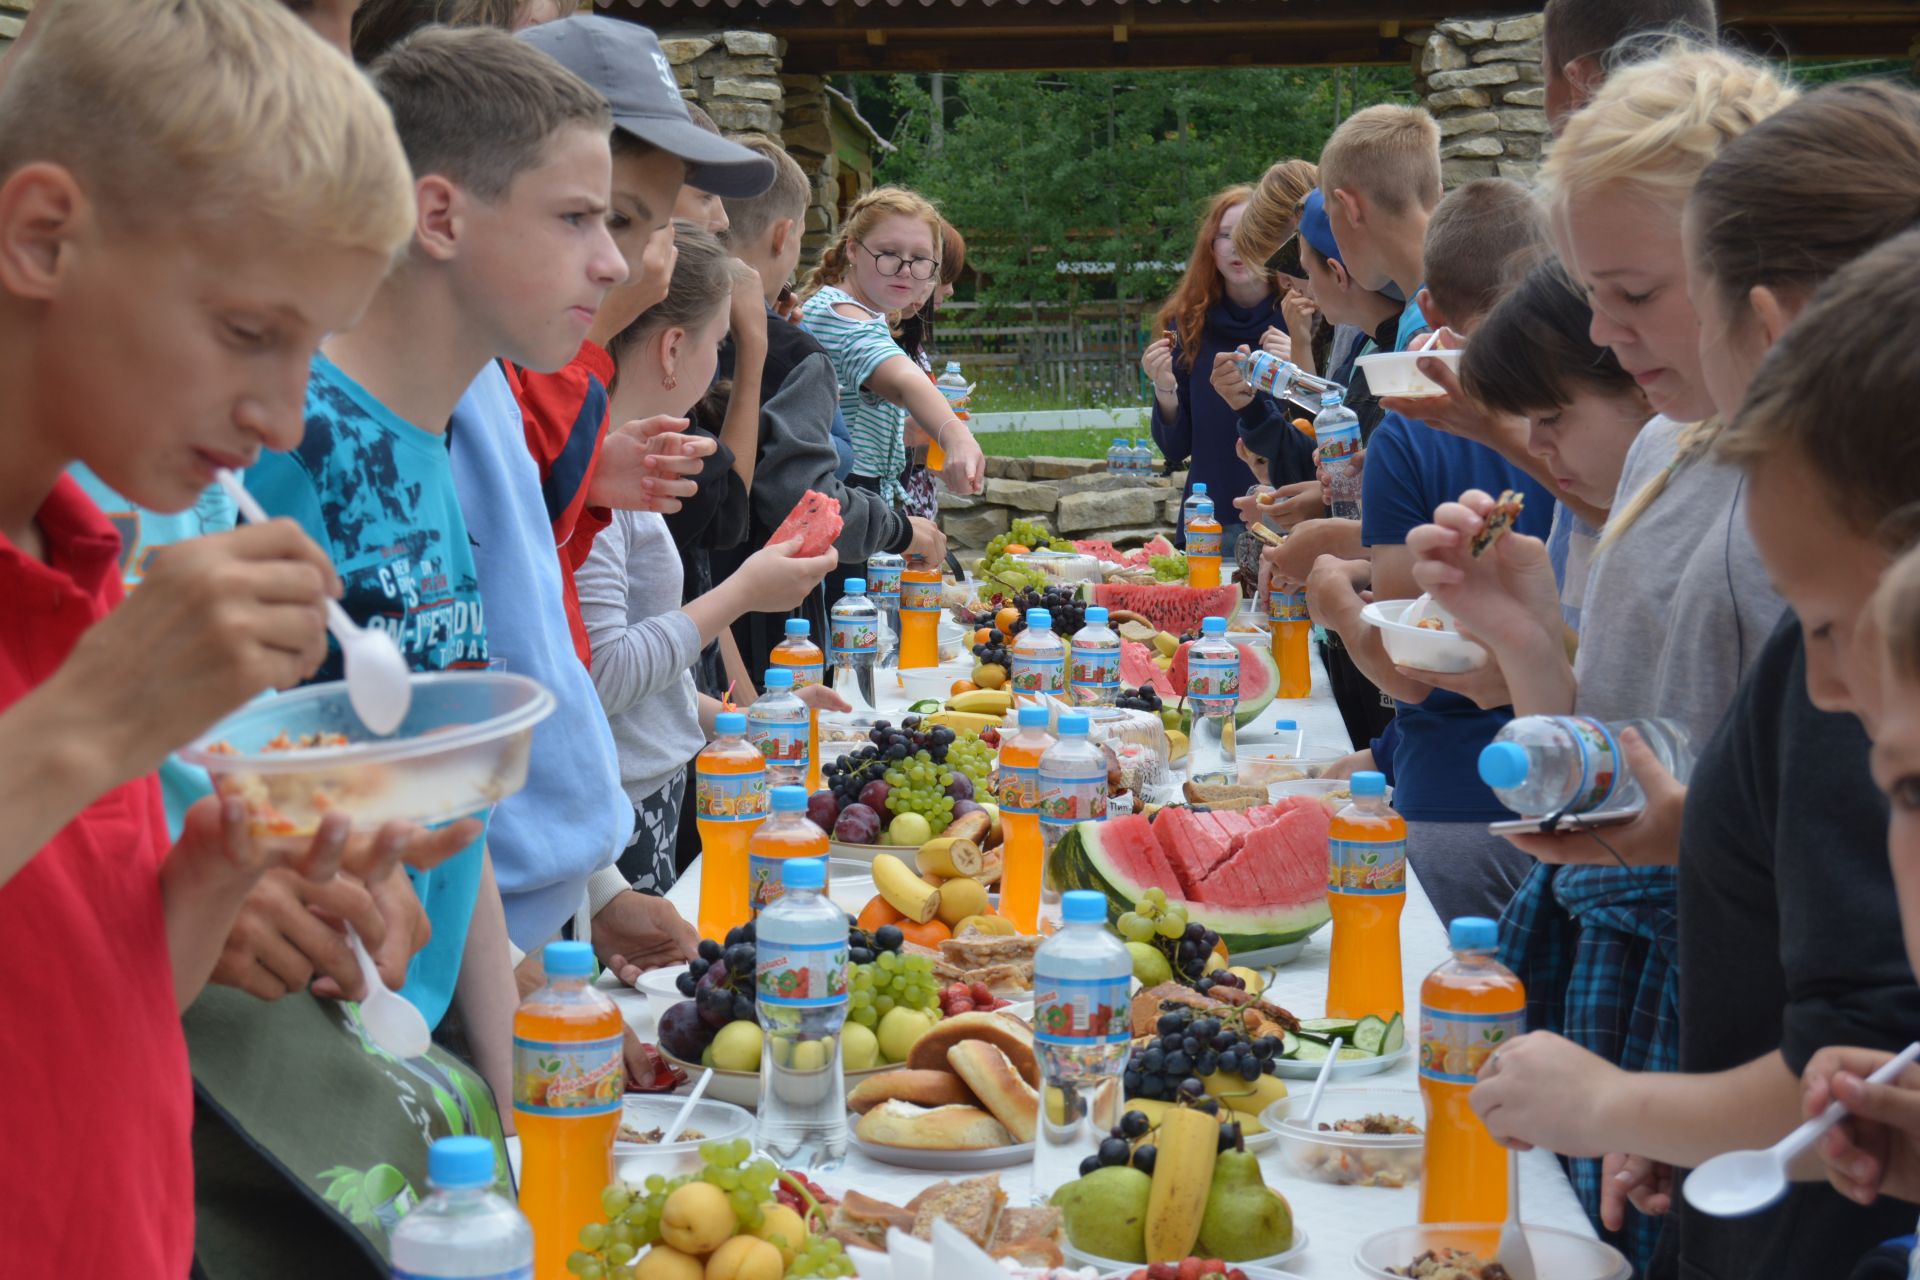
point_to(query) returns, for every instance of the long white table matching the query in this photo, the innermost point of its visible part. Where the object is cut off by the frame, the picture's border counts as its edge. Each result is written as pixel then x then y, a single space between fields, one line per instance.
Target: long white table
pixel 1335 1219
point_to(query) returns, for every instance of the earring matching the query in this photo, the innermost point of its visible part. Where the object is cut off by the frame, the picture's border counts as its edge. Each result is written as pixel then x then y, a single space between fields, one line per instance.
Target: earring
pixel 669 382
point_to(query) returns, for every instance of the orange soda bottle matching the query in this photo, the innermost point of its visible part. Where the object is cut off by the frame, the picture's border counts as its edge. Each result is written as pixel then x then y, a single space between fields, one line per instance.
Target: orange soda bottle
pixel 730 800
pixel 809 666
pixel 1290 629
pixel 1469 1006
pixel 1203 546
pixel 569 1076
pixel 1367 891
pixel 919 617
pixel 1024 851
pixel 789 833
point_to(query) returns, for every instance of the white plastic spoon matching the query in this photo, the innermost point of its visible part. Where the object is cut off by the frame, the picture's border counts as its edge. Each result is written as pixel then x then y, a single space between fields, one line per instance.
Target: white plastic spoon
pixel 390 1018
pixel 378 683
pixel 1742 1182
pixel 1514 1253
pixel 1320 1084
pixel 686 1108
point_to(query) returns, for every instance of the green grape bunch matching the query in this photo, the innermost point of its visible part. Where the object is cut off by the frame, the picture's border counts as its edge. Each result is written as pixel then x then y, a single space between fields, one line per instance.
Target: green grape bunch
pixel 1187 945
pixel 892 981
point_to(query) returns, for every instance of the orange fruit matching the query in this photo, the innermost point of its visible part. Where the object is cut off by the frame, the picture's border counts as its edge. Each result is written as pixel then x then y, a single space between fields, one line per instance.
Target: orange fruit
pixel 963 686
pixel 930 934
pixel 983 636
pixel 1005 619
pixel 877 912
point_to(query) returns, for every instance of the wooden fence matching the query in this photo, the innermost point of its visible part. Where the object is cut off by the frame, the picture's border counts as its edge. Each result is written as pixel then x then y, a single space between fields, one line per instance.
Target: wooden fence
pixel 1087 354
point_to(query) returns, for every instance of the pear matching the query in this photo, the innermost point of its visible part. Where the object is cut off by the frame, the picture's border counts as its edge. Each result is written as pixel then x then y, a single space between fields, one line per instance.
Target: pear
pixel 1106 1212
pixel 1245 1218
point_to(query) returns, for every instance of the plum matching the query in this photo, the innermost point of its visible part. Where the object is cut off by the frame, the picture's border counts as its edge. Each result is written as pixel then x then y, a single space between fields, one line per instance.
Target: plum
pixel 858 824
pixel 961 788
pixel 682 1032
pixel 823 810
pixel 874 795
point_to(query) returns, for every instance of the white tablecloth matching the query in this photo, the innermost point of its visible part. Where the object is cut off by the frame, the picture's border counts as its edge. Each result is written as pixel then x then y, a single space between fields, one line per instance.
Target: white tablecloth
pixel 1335 1219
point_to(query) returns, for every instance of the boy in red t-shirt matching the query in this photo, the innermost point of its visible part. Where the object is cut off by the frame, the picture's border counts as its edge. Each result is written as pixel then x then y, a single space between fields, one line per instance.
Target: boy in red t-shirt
pixel 192 192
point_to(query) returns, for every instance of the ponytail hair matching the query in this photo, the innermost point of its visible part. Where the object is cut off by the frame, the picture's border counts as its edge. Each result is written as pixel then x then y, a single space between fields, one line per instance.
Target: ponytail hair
pixel 702 286
pixel 866 214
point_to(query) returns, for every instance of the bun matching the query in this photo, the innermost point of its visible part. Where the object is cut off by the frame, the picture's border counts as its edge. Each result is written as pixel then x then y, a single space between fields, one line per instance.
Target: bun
pixel 952 1128
pixel 1009 1035
pixel 922 1088
pixel 999 1087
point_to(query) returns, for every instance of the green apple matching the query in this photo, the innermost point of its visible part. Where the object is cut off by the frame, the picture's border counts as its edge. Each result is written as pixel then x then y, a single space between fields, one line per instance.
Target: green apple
pixel 859 1047
pixel 909 830
pixel 1150 964
pixel 809 1055
pixel 737 1047
pixel 899 1028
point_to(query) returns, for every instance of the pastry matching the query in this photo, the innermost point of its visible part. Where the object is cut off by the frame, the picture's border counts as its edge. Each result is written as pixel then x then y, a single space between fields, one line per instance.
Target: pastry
pixel 988 1073
pixel 949 1128
pixel 1011 1036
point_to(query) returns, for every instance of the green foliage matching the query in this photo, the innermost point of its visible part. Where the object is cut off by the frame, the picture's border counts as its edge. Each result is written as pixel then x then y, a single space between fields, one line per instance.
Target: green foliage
pixel 1107 167
pixel 1078 442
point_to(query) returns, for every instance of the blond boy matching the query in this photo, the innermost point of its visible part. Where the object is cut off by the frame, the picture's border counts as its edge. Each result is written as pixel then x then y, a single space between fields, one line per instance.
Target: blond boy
pixel 1381 173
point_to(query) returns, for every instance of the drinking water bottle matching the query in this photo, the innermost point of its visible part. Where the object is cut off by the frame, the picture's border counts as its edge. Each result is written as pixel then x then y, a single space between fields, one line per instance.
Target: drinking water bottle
pixel 1142 458
pixel 464 1229
pixel 1336 434
pixel 883 588
pixel 802 656
pixel 801 998
pixel 1118 458
pixel 1082 1029
pixel 777 728
pixel 1213 693
pixel 1550 766
pixel 1073 788
pixel 1190 507
pixel 1039 657
pixel 1095 677
pixel 853 642
pixel 1283 379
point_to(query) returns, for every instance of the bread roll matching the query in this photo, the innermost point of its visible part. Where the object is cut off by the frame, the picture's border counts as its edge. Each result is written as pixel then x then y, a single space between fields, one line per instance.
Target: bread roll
pixel 987 1072
pixel 901 1124
pixel 1009 1035
pixel 922 1088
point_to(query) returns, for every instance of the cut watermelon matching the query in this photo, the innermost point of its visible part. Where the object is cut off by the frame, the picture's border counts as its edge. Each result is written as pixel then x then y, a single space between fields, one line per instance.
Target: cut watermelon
pixel 1259 677
pixel 1170 607
pixel 1290 847
pixel 1157 546
pixel 1138 670
pixel 816 522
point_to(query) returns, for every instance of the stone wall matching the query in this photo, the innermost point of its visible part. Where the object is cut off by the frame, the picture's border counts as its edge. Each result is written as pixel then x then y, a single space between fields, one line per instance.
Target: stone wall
pixel 808 136
pixel 1074 497
pixel 733 75
pixel 1481 79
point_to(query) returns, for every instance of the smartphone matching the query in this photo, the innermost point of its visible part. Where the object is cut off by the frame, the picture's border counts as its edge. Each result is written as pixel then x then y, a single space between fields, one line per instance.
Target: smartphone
pixel 1573 822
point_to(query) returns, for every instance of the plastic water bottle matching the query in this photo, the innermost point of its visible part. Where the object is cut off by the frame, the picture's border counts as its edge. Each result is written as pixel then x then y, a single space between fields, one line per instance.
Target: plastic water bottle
pixel 1039 657
pixel 777 729
pixel 1546 766
pixel 1095 678
pixel 569 1074
pixel 1204 537
pixel 1082 1028
pixel 464 1229
pixel 799 654
pixel 1213 694
pixel 1118 457
pixel 1142 458
pixel 883 588
pixel 1073 788
pixel 853 644
pixel 1284 380
pixel 1367 891
pixel 1469 1006
pixel 801 997
pixel 1336 434
pixel 1189 508
pixel 786 834
pixel 1020 816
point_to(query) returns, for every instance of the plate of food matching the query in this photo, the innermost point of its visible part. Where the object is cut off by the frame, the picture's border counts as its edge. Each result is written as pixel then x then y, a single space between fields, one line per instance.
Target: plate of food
pixel 1397 373
pixel 1360 1046
pixel 967 1100
pixel 1211 1269
pixel 1253 1268
pixel 1418 633
pixel 1360 1137
pixel 975 1207
pixel 1465 1251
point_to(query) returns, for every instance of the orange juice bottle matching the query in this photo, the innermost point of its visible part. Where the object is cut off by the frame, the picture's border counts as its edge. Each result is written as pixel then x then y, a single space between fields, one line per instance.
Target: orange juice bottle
pixel 789 833
pixel 1290 629
pixel 569 1076
pixel 953 385
pixel 809 665
pixel 1203 546
pixel 1469 1006
pixel 919 618
pixel 1367 890
pixel 730 800
pixel 1020 819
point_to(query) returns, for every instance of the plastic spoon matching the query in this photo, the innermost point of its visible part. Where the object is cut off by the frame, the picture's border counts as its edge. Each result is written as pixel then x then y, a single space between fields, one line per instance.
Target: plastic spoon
pixel 686 1108
pixel 1742 1182
pixel 1514 1253
pixel 1320 1085
pixel 389 1018
pixel 378 683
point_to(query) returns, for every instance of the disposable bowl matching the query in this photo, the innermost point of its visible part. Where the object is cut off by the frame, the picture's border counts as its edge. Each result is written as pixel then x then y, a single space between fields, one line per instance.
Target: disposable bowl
pixel 1349 1159
pixel 742 1088
pixel 1411 646
pixel 1397 373
pixel 635 1162
pixel 1557 1254
pixel 463 746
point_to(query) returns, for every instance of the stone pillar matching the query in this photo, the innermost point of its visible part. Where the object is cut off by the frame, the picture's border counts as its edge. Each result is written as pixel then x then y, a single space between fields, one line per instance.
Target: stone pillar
pixel 1481 79
pixel 809 140
pixel 733 75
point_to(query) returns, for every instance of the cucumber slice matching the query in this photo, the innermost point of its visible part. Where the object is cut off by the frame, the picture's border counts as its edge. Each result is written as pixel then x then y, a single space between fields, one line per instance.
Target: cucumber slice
pixel 1396 1037
pixel 1329 1027
pixel 1369 1035
pixel 1289 1045
pixel 1313 1051
pixel 1351 1053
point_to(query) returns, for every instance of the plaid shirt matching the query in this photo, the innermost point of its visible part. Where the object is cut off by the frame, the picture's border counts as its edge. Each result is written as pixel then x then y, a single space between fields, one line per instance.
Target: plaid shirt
pixel 1598 950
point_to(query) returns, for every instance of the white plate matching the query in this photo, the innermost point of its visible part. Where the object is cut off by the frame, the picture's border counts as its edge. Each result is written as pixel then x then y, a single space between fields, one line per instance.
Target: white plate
pixel 941 1161
pixel 1256 1268
pixel 1285 953
pixel 1288 1069
pixel 659 983
pixel 1248 1270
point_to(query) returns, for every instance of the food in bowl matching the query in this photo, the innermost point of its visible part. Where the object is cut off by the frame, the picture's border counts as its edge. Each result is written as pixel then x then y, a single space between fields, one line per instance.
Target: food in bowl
pixel 1374 1126
pixel 1411 643
pixel 628 1133
pixel 1397 373
pixel 1451 1264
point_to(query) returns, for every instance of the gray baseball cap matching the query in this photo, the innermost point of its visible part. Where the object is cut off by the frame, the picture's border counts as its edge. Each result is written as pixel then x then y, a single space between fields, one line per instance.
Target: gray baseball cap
pixel 624 62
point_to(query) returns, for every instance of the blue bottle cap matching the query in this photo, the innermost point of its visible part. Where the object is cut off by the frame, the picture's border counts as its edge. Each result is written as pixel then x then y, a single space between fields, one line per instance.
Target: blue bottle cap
pixel 1083 906
pixel 789 799
pixel 856 586
pixel 1204 507
pixel 1472 933
pixel 1368 783
pixel 1286 724
pixel 1033 717
pixel 460 1162
pixel 803 873
pixel 569 960
pixel 1041 618
pixel 1074 722
pixel 730 722
pixel 1199 487
pixel 1503 764
pixel 798 627
pixel 1118 441
pixel 1213 626
pixel 777 678
pixel 1096 616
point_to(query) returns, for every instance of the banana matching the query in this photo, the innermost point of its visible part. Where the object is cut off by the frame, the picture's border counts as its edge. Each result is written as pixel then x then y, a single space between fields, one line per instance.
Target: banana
pixel 1182 1176
pixel 1248 1097
pixel 962 721
pixel 986 702
pixel 903 889
pixel 1155 1111
pixel 949 856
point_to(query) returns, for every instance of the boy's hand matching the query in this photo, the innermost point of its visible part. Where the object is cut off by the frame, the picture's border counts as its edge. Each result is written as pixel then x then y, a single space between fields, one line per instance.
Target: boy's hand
pixel 1454 411
pixel 1346 766
pixel 643 465
pixel 1299 312
pixel 1230 382
pixel 1543 1090
pixel 645 286
pixel 1290 504
pixel 639 931
pixel 1636 1180
pixel 747 311
pixel 929 545
pixel 1356 466
pixel 775 579
pixel 1334 595
pixel 966 465
pixel 1875 1151
pixel 821 697
pixel 1290 564
pixel 1651 839
pixel 1157 363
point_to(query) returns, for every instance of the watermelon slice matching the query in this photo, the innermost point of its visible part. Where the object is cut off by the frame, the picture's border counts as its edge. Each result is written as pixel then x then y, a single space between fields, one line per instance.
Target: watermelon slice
pixel 1138 670
pixel 1259 676
pixel 816 522
pixel 1291 846
pixel 1170 607
pixel 1157 546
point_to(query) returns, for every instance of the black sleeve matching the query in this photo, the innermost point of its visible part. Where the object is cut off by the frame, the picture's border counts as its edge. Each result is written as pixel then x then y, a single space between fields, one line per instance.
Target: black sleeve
pixel 704 516
pixel 1268 431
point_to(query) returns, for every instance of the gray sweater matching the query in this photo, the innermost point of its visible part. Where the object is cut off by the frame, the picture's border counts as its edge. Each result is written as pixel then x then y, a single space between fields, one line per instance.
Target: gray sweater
pixel 644 649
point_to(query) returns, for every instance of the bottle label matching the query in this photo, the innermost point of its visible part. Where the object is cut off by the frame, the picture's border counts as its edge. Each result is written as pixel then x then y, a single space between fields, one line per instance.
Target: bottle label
pixel 730 797
pixel 515 1273
pixel 1039 675
pixel 1203 543
pixel 1453 1046
pixel 1367 867
pixel 1599 761
pixel 855 635
pixel 1337 441
pixel 1019 788
pixel 764 886
pixel 883 580
pixel 1096 668
pixel 802 975
pixel 808 673
pixel 919 597
pixel 1081 1011
pixel 1213 684
pixel 1067 800
pixel 569 1078
pixel 1263 370
pixel 1287 606
pixel 782 740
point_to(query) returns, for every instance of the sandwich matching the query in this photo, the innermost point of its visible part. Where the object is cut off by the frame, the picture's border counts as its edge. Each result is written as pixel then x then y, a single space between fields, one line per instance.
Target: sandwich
pixel 947 1128
pixel 971 1207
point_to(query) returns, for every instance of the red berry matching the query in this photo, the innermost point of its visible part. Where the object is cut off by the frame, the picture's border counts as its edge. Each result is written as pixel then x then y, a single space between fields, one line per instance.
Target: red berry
pixel 959 1007
pixel 1189 1269
pixel 980 995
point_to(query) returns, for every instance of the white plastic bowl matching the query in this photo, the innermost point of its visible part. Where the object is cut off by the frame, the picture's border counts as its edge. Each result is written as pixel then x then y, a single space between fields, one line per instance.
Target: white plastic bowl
pixel 742 1088
pixel 1411 646
pixel 1349 1159
pixel 463 746
pixel 635 1162
pixel 1557 1255
pixel 1397 373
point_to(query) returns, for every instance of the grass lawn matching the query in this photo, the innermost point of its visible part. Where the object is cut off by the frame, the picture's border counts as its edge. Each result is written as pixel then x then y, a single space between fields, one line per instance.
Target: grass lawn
pixel 1090 442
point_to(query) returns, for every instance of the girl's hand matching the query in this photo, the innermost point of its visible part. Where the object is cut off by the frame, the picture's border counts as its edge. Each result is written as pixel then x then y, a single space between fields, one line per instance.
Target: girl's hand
pixel 1157 363
pixel 776 579
pixel 966 465
pixel 1543 1090
pixel 1507 596
pixel 822 697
